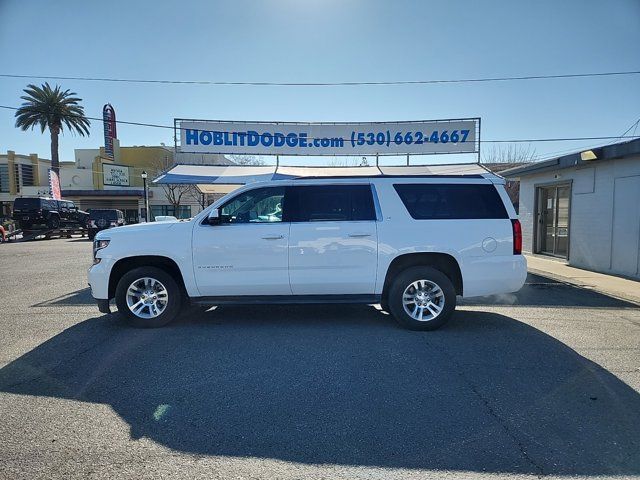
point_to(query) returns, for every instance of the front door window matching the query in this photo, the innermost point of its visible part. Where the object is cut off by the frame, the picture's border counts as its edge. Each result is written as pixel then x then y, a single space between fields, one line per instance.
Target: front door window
pixel 261 205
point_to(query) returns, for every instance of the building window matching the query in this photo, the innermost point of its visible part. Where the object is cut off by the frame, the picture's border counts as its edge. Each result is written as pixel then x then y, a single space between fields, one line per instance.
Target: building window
pixel 27 175
pixel 4 178
pixel 183 211
pixel 16 172
pixel 131 216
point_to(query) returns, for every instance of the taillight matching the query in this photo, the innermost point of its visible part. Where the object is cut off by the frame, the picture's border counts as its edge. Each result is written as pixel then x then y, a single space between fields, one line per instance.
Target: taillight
pixel 517 236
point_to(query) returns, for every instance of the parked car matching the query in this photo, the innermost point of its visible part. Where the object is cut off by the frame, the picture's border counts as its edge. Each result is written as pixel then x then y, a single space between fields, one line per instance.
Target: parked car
pixel 47 213
pixel 104 218
pixel 409 243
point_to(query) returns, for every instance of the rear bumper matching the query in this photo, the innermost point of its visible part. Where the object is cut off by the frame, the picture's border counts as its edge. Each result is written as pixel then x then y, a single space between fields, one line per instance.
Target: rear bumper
pixel 493 275
pixel 30 218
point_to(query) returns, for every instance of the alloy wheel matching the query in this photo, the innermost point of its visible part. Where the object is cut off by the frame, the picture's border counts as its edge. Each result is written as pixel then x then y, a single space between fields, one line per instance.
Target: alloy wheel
pixel 423 300
pixel 147 298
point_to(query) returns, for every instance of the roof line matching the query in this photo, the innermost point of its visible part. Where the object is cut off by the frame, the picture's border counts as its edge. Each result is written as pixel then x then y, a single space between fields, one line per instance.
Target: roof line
pixel 607 152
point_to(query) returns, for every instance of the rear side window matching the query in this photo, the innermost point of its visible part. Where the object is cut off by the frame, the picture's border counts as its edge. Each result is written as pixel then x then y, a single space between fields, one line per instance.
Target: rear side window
pixel 451 201
pixel 96 214
pixel 331 203
pixel 26 203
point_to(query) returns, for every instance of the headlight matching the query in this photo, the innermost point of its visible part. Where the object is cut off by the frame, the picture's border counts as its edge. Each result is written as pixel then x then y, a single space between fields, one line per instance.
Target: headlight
pixel 98 245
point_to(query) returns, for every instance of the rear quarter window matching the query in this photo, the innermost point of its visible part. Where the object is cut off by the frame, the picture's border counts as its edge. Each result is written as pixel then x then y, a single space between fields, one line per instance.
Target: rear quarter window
pixel 451 201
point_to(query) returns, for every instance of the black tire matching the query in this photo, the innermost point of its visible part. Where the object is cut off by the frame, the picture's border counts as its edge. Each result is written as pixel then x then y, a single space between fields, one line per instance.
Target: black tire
pixel 91 235
pixel 404 280
pixel 53 222
pixel 173 305
pixel 384 304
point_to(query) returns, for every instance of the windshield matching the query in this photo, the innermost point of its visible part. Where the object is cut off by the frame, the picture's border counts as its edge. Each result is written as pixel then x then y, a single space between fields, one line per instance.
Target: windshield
pixel 106 214
pixel 26 203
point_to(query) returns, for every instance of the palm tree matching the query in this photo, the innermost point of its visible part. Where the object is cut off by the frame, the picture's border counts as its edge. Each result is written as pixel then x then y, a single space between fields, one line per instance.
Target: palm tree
pixel 52 108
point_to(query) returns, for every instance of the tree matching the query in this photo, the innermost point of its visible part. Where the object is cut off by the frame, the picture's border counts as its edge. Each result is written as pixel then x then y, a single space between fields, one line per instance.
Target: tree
pixel 52 108
pixel 246 160
pixel 175 192
pixel 509 153
pixel 349 162
pixel 503 157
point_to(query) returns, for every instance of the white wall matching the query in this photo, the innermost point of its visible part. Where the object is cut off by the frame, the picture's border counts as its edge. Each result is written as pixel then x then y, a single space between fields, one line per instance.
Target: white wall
pixel 591 209
pixel 76 179
pixel 85 157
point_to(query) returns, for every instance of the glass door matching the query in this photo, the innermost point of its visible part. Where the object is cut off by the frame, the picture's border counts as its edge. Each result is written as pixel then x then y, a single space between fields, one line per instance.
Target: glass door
pixel 553 220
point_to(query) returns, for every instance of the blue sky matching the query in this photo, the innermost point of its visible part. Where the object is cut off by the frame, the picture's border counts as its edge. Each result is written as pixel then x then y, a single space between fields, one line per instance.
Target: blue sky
pixel 328 41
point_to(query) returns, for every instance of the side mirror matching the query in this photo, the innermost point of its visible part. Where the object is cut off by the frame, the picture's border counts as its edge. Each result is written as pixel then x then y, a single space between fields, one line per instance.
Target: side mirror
pixel 214 217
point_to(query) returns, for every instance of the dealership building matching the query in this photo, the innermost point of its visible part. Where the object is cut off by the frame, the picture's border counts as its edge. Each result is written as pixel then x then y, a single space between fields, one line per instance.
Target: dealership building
pixel 584 208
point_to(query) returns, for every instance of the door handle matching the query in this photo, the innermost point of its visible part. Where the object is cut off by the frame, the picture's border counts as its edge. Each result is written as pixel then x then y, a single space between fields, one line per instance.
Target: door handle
pixel 359 235
pixel 273 237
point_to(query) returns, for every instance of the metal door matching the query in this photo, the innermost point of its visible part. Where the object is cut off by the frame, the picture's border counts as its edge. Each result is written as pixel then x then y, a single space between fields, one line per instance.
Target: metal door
pixel 625 248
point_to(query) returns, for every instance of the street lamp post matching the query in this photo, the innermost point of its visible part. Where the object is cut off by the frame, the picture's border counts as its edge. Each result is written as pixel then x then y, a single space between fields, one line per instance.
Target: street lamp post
pixel 146 196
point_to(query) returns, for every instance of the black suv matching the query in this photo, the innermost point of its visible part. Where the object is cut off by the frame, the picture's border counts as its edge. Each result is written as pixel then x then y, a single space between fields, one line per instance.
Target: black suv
pixel 48 213
pixel 103 218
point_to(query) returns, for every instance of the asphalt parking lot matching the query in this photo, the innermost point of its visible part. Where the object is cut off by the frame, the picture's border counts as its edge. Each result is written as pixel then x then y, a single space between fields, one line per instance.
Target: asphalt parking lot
pixel 545 382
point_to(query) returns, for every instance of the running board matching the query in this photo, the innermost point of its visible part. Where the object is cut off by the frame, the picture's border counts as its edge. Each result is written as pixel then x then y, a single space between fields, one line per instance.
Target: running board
pixel 286 299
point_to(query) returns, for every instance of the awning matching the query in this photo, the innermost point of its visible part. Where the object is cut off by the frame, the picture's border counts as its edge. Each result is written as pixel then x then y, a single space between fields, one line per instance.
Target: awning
pixel 104 193
pixel 243 174
pixel 219 188
pixel 212 174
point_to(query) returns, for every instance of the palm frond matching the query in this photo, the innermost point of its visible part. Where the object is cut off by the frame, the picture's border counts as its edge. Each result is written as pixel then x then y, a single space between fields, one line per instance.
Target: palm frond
pixel 52 108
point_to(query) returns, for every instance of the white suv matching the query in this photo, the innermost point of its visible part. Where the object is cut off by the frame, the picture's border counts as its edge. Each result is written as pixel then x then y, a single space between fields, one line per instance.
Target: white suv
pixel 409 243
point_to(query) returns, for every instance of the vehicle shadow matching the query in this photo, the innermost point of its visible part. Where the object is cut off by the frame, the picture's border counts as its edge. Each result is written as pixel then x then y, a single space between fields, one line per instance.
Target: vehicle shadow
pixel 346 386
pixel 541 291
pixel 77 298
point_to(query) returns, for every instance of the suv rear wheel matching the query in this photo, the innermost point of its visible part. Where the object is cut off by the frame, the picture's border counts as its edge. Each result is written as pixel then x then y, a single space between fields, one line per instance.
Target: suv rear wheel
pixel 148 297
pixel 53 222
pixel 422 298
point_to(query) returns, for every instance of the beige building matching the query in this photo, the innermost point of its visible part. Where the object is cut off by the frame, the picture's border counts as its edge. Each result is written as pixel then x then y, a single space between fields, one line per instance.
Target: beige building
pixel 21 175
pixel 94 180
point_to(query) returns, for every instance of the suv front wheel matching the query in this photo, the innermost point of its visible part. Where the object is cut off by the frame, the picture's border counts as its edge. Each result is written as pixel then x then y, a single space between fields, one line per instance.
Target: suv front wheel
pixel 422 298
pixel 148 297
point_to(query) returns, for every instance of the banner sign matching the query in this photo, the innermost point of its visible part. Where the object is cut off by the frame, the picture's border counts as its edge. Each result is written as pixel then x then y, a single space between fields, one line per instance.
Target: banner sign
pixel 389 138
pixel 54 185
pixel 109 122
pixel 115 175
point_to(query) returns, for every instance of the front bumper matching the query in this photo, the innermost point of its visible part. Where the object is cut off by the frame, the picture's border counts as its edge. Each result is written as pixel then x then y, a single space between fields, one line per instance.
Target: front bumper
pixel 103 306
pixel 99 284
pixel 98 277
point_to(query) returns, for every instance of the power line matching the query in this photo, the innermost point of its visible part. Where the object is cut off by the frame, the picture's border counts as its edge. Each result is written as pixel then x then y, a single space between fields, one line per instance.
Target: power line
pixel 323 84
pixel 527 140
pixel 634 126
